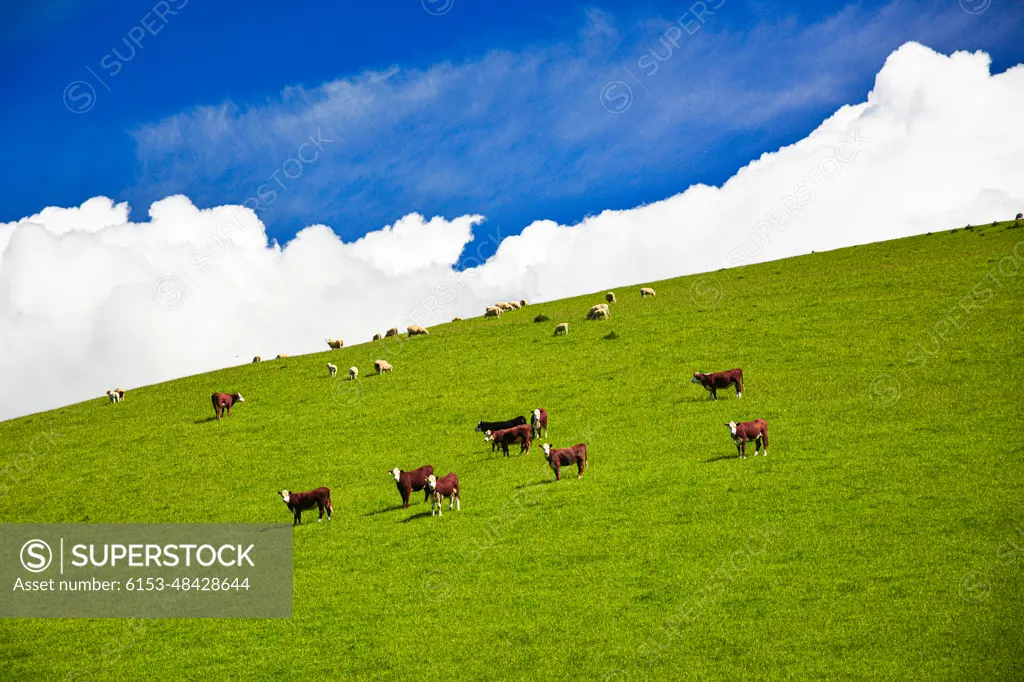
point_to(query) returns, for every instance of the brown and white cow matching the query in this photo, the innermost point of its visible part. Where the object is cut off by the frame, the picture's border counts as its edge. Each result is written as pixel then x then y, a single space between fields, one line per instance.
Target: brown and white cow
pixel 440 488
pixel 522 434
pixel 564 457
pixel 222 401
pixel 539 422
pixel 300 502
pixel 756 431
pixel 716 380
pixel 409 482
pixel 497 426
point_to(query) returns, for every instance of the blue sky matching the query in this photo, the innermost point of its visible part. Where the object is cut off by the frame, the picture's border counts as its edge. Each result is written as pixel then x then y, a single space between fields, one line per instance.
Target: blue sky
pixel 511 110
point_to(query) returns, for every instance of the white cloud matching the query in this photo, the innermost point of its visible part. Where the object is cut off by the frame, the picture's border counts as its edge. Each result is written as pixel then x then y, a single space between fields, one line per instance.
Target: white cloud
pixel 82 302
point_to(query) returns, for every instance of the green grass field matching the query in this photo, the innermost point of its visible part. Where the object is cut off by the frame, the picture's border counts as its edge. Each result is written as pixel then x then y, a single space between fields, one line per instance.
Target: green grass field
pixel 879 539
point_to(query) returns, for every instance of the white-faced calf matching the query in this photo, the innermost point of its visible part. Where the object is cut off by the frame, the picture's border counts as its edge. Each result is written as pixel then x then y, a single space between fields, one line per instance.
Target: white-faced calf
pixel 409 482
pixel 484 427
pixel 522 434
pixel 441 488
pixel 564 457
pixel 539 422
pixel 756 431
pixel 300 502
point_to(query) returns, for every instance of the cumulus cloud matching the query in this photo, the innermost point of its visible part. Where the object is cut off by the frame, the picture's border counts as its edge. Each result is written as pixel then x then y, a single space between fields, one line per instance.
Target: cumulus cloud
pixel 528 133
pixel 90 299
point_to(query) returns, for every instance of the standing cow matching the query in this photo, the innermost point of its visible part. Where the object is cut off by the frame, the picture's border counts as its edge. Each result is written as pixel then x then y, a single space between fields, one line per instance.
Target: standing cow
pixel 440 488
pixel 409 482
pixel 756 431
pixel 716 380
pixel 300 502
pixel 539 422
pixel 224 401
pixel 484 427
pixel 563 457
pixel 518 434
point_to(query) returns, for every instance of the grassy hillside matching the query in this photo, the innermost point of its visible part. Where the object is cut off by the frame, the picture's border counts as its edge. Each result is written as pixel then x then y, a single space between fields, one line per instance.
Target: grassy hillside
pixel 871 543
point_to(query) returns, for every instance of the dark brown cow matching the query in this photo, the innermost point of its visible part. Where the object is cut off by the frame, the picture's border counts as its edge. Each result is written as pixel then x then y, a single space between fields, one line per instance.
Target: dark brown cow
pixel 716 380
pixel 564 457
pixel 222 401
pixel 483 427
pixel 522 434
pixel 442 488
pixel 300 502
pixel 409 482
pixel 756 431
pixel 539 422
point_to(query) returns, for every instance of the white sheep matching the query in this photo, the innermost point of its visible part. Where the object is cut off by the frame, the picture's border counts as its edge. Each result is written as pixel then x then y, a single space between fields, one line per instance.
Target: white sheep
pixel 646 291
pixel 353 372
pixel 333 369
pixel 562 329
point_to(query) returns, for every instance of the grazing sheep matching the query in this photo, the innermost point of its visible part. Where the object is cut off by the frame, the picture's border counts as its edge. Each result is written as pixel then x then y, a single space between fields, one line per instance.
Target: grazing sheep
pixel 599 312
pixel 523 303
pixel 116 396
pixel 646 291
pixel 562 329
pixel 513 305
pixel 281 356
pixel 457 319
pixel 1020 216
pixel 353 373
pixel 504 305
pixel 377 337
pixel 416 330
pixel 257 359
pixel 335 343
pixel 333 369
pixel 493 311
pixel 382 366
pixel 610 297
pixel 391 332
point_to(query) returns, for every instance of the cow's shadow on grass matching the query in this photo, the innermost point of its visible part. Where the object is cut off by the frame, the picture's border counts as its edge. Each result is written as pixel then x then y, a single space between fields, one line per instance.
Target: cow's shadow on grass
pixel 204 421
pixel 415 517
pixel 384 511
pixel 530 485
pixel 720 458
